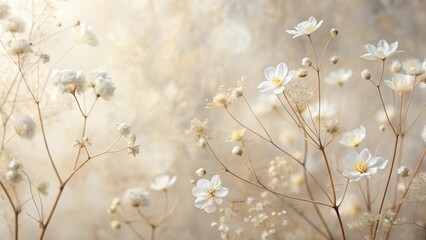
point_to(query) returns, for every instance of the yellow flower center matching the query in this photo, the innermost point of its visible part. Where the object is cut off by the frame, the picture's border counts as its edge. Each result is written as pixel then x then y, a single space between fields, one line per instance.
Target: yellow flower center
pixel 277 82
pixel 237 135
pixel 361 167
pixel 212 194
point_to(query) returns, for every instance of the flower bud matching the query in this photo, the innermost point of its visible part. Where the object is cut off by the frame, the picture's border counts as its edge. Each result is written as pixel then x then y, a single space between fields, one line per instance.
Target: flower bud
pixel 306 62
pixel 201 172
pixel 237 151
pixel 382 128
pixel 404 171
pixel 116 224
pixel 333 32
pixel 334 59
pixel 366 74
pixel 395 67
pixel 302 72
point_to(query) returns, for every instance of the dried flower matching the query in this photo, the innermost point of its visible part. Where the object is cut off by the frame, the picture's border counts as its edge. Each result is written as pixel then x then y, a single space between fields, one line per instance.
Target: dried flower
pixel 277 78
pixel 209 193
pixel 20 47
pixel 413 67
pixel 305 28
pixel 357 165
pixel 197 127
pixel 81 143
pixel 338 77
pixel 14 24
pixel 15 164
pixel 42 187
pixel 404 171
pixel 13 177
pixel 162 183
pixel 4 10
pixel 400 83
pixel 24 126
pixel 69 81
pixel 334 59
pixel 353 138
pixel 302 72
pixel 237 135
pixel 381 52
pixel 331 128
pixel 123 129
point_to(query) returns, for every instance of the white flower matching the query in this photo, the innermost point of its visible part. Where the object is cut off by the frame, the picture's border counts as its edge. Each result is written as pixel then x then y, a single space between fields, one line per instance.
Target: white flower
pixel 69 81
pixel 305 27
pixel 123 129
pixel 328 109
pixel 13 177
pixel 43 187
pixel 86 35
pixel 381 114
pixel 277 78
pixel 237 135
pixel 14 24
pixel 353 138
pixel 357 165
pixel 137 197
pixel 102 83
pixel 4 10
pixel 381 52
pixel 338 77
pixel 197 127
pixel 162 183
pixel 209 193
pixel 15 164
pixel 400 83
pixel 20 47
pixel 24 126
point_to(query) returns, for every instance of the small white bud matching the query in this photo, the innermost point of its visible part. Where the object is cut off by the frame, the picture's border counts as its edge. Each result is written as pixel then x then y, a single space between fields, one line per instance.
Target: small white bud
pixel 192 181
pixel 382 128
pixel 213 224
pixel 13 177
pixel 201 143
pixel 123 129
pixel 396 67
pixel 334 59
pixel 15 164
pixel 201 172
pixel 366 74
pixel 333 32
pixel 237 151
pixel 306 62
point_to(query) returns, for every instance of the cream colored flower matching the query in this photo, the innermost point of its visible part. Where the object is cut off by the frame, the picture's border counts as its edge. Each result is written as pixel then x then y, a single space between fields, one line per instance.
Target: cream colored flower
pixel 381 52
pixel 162 183
pixel 400 83
pixel 209 193
pixel 338 77
pixel 357 165
pixel 277 78
pixel 353 138
pixel 305 27
pixel 237 135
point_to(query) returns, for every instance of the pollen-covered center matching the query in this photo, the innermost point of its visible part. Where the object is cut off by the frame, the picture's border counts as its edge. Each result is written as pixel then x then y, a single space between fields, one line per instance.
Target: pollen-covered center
pixel 361 167
pixel 212 194
pixel 277 82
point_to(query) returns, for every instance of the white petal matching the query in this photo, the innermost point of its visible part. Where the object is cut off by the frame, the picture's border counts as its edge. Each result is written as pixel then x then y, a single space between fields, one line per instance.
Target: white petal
pixel 393 46
pixel 312 20
pixel 270 73
pixel 390 84
pixel 203 184
pixel 265 86
pixel 221 192
pixel 370 48
pixel 210 208
pixel 349 162
pixel 218 200
pixel 202 202
pixel 281 71
pixel 197 192
pixel 318 25
pixel 215 182
pixel 369 56
pixel 279 90
pixel 364 155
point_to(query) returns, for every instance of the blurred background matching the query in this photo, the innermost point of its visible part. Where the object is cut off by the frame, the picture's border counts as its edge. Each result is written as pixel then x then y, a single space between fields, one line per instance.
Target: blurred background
pixel 166 57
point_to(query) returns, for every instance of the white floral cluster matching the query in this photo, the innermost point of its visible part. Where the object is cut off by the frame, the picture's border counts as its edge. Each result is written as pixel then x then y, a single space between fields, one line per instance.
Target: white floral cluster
pixel 124 131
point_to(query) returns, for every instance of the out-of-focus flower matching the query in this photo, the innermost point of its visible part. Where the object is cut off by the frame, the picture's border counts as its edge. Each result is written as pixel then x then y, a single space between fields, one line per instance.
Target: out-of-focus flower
pixel 43 187
pixel 413 67
pixel 334 59
pixel 404 171
pixel 20 47
pixel 209 193
pixel 222 99
pixel 162 183
pixel 237 135
pixel 357 165
pixel 102 83
pixel 43 57
pixel 396 66
pixel 4 10
pixel 69 81
pixel 381 114
pixel 137 197
pixel 15 164
pixel 366 74
pixel 123 129
pixel 24 126
pixel 277 78
pixel 86 34
pixel 83 142
pixel 305 27
pixel 197 127
pixel 381 52
pixel 13 177
pixel 115 224
pixel 331 128
pixel 400 83
pixel 328 109
pixel 338 77
pixel 14 24
pixel 353 138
